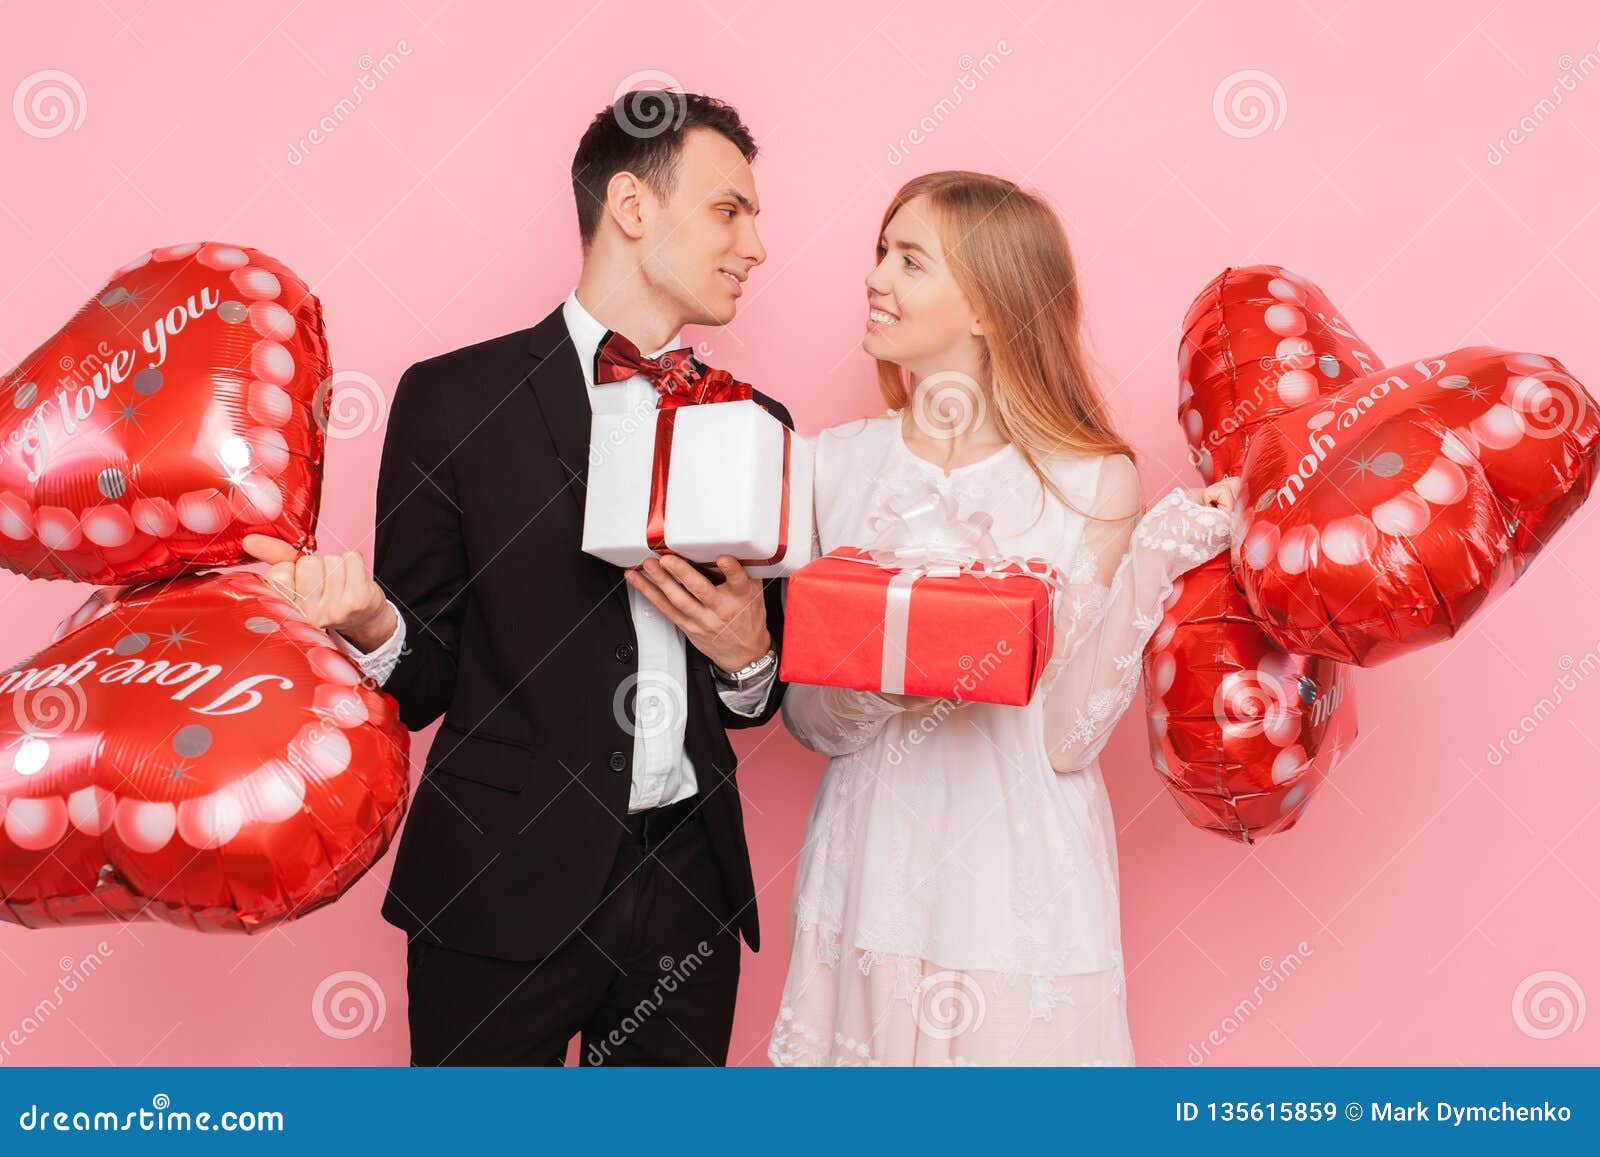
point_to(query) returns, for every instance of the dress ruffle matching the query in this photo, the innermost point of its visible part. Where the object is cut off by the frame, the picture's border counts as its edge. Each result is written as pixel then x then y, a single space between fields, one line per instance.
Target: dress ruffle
pixel 857 1007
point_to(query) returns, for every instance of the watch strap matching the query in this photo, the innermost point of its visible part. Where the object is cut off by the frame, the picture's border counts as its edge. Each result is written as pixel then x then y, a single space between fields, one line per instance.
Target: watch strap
pixel 747 674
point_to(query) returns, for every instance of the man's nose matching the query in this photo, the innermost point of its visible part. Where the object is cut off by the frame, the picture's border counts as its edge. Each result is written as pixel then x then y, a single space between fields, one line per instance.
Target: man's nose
pixel 752 250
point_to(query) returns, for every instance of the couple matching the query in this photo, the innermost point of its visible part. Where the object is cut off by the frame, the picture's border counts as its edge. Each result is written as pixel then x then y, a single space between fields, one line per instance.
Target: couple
pixel 574 863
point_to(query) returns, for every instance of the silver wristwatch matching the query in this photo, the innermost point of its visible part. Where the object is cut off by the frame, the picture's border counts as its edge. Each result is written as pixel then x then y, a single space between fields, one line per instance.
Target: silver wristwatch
pixel 748 675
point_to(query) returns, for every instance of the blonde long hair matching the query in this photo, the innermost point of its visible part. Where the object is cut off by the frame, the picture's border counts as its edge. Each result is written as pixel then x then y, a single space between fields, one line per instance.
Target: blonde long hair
pixel 1009 255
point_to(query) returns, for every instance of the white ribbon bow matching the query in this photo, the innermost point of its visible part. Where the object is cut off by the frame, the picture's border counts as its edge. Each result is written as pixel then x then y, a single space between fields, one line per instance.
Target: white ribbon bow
pixel 921 534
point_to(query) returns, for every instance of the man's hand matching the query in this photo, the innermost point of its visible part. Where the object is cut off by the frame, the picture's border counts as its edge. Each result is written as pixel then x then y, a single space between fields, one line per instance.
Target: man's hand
pixel 726 622
pixel 331 590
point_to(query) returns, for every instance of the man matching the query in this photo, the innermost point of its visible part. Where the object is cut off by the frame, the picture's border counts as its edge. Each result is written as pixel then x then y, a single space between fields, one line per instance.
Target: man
pixel 574 862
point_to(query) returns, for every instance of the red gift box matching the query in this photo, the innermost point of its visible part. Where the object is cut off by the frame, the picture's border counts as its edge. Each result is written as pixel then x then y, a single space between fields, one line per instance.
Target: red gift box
pixel 980 634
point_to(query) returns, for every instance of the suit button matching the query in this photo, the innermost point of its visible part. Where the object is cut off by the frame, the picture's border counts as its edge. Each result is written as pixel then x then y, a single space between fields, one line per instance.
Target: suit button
pixel 624 652
pixel 617 762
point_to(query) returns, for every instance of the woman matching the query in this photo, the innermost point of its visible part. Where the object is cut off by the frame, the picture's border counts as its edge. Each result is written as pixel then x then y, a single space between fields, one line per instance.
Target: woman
pixel 956 899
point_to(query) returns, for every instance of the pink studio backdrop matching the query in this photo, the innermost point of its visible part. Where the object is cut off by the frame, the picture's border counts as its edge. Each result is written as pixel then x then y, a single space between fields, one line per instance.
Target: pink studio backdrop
pixel 1439 904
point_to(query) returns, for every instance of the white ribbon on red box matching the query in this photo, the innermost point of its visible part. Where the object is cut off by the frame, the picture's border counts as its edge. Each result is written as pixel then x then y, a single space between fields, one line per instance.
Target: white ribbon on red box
pixel 920 533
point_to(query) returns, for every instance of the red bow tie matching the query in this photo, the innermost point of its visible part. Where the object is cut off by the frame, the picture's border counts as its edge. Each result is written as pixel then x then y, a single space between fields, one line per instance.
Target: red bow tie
pixel 680 377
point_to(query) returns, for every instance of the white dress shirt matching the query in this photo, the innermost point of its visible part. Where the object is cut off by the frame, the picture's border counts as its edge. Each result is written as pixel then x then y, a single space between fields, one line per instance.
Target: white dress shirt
pixel 662 770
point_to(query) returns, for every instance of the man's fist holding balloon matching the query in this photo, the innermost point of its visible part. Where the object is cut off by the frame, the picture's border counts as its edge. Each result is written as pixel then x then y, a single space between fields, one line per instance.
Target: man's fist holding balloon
pixel 332 590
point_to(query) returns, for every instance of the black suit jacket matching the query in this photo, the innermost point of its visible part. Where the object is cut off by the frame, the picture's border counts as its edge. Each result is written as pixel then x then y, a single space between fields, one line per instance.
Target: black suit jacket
pixel 521 641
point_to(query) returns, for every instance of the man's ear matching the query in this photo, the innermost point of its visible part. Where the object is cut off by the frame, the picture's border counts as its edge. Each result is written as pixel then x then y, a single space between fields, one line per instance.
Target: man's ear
pixel 625 195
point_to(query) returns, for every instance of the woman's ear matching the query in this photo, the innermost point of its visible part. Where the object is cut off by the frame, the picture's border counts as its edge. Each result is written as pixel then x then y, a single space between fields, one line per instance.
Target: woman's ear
pixel 977 327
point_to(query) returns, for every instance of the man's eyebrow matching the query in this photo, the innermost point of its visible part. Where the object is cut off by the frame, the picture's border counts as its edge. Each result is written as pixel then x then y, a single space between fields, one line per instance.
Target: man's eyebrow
pixel 744 202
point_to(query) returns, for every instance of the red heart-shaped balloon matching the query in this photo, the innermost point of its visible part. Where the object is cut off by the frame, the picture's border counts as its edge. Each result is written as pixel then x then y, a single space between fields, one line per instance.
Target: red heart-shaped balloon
pixel 1242 731
pixel 1258 341
pixel 192 751
pixel 1382 517
pixel 181 408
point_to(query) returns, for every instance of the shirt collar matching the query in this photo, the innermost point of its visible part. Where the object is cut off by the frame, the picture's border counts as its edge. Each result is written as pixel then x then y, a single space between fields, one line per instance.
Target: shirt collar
pixel 587 334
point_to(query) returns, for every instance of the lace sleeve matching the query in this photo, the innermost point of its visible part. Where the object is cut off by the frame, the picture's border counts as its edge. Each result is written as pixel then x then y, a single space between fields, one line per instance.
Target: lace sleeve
pixel 1117 583
pixel 835 720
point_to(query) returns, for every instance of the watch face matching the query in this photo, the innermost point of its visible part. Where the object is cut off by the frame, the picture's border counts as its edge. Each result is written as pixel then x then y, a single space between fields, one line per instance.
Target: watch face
pixel 746 673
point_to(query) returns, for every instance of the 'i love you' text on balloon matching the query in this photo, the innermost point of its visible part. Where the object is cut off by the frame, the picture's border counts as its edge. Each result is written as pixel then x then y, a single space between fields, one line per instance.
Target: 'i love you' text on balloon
pixel 1380 518
pixel 192 751
pixel 181 408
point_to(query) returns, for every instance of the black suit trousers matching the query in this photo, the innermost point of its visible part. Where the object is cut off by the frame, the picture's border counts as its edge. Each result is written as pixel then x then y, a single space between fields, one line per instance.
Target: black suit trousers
pixel 648 978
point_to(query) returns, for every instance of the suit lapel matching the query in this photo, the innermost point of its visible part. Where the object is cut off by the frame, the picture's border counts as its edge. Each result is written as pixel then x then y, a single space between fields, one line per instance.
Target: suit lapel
pixel 558 389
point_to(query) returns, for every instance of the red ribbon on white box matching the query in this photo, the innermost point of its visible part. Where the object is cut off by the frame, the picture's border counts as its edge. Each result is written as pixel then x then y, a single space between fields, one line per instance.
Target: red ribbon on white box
pixel 721 387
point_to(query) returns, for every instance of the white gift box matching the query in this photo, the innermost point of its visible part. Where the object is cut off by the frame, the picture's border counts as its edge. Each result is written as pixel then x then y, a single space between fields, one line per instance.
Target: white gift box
pixel 724 493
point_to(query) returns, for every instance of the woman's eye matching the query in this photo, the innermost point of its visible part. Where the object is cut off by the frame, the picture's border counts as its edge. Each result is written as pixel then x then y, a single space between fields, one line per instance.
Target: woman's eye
pixel 911 264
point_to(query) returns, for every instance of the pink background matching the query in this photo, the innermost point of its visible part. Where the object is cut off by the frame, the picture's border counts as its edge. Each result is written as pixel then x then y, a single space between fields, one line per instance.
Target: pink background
pixel 1448 905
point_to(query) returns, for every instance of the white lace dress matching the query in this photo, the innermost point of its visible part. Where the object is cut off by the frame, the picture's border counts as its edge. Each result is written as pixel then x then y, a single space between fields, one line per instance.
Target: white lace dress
pixel 956 900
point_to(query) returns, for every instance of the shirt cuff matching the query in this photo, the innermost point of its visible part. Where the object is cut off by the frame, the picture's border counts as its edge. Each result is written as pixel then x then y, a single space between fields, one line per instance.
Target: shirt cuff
pixel 750 700
pixel 379 663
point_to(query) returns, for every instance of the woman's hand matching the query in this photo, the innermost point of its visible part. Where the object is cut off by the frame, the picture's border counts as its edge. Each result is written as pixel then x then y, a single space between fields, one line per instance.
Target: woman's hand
pixel 1223 495
pixel 918 702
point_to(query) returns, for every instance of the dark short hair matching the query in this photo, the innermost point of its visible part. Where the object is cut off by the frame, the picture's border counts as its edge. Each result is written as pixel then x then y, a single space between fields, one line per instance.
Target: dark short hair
pixel 642 133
